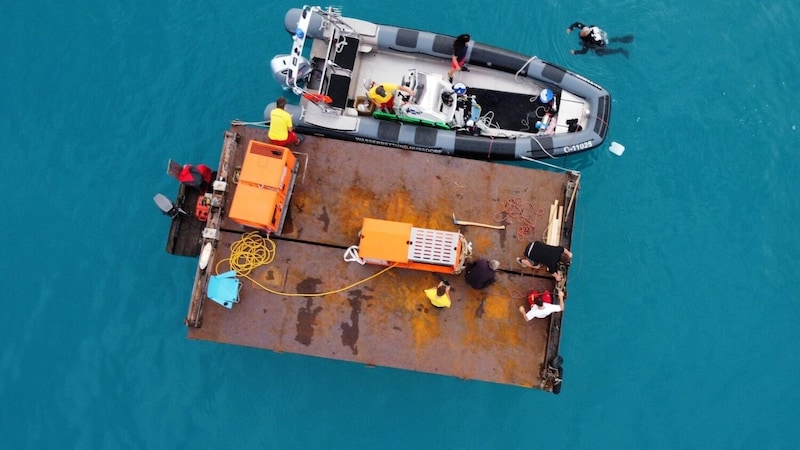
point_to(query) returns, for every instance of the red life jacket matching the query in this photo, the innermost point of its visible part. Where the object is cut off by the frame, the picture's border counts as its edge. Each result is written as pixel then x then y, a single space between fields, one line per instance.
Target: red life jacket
pixel 545 296
pixel 195 176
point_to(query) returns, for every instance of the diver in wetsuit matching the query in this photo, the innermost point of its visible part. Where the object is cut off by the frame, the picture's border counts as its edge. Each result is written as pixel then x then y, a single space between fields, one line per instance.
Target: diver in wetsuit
pixel 594 38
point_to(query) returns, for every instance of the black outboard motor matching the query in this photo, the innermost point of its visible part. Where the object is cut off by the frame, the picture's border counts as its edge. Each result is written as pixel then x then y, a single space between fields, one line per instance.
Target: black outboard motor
pixel 558 370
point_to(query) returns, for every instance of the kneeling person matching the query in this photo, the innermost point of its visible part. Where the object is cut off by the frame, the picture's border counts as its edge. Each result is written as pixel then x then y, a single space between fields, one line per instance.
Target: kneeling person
pixel 481 273
pixel 540 309
pixel 538 253
pixel 281 131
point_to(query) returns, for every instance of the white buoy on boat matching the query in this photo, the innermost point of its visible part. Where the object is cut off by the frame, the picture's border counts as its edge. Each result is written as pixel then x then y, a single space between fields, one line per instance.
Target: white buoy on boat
pixel 617 148
pixel 205 256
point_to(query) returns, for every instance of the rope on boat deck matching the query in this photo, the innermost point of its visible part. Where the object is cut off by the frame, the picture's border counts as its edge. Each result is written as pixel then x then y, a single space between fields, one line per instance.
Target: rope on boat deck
pixel 237 122
pixel 514 209
pixel 248 253
pixel 552 166
pixel 252 251
pixel 320 294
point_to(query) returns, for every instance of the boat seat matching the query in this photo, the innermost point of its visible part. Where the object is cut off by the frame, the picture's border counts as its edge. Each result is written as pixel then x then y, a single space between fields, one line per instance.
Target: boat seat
pixel 317 117
pixel 224 288
pixel 337 89
pixel 344 51
pixel 569 108
pixel 338 70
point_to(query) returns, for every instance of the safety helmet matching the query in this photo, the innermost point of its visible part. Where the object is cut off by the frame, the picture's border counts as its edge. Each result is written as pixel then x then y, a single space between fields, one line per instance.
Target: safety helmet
pixel 460 88
pixel 546 96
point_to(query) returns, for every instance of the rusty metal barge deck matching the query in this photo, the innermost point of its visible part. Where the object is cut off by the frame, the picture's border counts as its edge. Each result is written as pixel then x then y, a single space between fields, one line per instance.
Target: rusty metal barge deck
pixel 386 321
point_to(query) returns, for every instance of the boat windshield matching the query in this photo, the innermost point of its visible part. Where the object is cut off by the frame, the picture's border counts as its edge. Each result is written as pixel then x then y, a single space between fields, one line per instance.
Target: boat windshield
pixel 419 88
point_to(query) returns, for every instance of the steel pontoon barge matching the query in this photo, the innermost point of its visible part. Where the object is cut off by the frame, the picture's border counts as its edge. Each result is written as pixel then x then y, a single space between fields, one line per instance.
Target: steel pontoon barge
pixel 386 321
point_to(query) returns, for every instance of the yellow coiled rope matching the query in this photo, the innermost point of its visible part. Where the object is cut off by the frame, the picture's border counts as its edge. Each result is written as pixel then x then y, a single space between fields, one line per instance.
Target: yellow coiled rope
pixel 254 250
pixel 249 252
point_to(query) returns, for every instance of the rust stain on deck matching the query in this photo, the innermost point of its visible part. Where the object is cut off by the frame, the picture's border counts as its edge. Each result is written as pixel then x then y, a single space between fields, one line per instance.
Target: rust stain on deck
pixel 495 307
pixel 359 204
pixel 425 323
pixel 402 208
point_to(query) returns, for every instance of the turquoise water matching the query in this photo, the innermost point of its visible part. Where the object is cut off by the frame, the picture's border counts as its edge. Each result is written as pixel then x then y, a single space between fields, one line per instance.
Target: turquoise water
pixel 681 330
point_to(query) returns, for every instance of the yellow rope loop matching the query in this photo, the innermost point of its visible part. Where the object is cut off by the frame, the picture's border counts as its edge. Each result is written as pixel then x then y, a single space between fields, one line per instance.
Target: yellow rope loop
pixel 250 252
pixel 253 250
pixel 320 294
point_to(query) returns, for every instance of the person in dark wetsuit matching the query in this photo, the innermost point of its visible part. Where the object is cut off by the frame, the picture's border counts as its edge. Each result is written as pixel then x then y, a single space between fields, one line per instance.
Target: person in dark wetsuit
pixel 594 38
pixel 481 273
pixel 538 253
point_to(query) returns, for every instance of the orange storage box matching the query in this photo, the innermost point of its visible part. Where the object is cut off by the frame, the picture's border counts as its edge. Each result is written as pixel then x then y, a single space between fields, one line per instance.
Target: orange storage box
pixel 384 240
pixel 264 187
pixel 257 207
pixel 268 166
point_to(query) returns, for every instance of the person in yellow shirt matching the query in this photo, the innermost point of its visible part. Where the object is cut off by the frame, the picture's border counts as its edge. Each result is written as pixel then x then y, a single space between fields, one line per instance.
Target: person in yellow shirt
pixel 440 295
pixel 382 95
pixel 281 130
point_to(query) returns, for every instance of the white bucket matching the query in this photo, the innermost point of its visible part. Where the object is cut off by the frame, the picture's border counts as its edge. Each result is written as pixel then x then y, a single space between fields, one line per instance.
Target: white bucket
pixel 617 148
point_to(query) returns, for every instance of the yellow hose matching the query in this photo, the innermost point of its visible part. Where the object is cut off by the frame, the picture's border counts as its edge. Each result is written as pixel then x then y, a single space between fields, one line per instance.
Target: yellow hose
pixel 320 294
pixel 254 250
pixel 249 252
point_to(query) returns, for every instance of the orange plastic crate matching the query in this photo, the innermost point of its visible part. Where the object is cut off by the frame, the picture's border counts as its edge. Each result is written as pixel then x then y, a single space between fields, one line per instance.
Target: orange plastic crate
pixel 384 240
pixel 268 166
pixel 257 207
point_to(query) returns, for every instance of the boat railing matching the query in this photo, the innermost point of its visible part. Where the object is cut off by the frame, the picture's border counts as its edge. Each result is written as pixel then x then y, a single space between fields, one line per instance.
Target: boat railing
pixel 333 16
pixel 523 70
pixel 340 55
pixel 298 44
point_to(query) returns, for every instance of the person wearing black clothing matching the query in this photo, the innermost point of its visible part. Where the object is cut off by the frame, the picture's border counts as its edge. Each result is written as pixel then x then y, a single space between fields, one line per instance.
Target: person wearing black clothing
pixel 481 273
pixel 459 56
pixel 594 38
pixel 538 254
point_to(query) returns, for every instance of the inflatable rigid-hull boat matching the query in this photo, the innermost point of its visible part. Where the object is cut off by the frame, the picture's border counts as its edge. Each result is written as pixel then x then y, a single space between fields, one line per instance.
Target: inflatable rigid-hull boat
pixel 494 110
